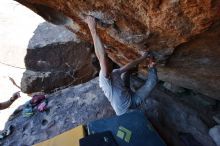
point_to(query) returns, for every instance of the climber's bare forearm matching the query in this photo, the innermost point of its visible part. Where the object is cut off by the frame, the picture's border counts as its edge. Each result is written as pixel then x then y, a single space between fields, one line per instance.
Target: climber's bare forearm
pixel 5 105
pixel 132 64
pixel 99 48
pixel 100 53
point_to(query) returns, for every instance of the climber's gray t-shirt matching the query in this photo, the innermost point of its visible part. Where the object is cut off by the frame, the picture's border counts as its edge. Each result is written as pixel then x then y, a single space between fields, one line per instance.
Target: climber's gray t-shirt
pixel 115 90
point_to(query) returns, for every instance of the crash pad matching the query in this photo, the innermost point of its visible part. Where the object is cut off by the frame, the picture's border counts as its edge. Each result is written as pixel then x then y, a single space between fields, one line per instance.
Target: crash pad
pixel 130 129
pixel 68 138
pixel 99 139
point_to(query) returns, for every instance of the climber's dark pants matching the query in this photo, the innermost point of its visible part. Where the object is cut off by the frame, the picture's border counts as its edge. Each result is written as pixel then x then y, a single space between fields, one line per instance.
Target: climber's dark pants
pixel 139 96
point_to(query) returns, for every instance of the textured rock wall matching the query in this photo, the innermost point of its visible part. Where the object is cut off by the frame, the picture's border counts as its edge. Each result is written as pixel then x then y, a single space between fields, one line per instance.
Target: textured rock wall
pixel 163 26
pixel 55 58
pixel 196 64
pixel 86 102
pixel 61 115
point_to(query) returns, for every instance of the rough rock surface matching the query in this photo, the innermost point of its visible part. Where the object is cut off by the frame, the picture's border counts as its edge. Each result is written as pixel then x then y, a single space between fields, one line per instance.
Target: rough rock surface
pixel 83 103
pixel 186 32
pixel 56 57
pixel 195 64
pixel 67 109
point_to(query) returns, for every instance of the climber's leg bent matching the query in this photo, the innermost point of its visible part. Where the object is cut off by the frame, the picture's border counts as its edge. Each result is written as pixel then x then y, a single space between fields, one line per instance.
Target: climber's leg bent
pixel 141 94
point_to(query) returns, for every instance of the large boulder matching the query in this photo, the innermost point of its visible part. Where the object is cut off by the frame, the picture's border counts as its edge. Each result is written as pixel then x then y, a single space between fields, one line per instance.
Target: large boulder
pixel 56 57
pixel 184 35
pixel 83 103
pixel 67 109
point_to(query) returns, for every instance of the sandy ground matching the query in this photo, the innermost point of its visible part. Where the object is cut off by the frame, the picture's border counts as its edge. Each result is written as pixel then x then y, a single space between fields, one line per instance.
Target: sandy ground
pixel 17 24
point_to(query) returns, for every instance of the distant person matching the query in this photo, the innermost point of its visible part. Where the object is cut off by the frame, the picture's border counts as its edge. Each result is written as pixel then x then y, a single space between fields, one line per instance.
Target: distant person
pixel 6 104
pixel 115 87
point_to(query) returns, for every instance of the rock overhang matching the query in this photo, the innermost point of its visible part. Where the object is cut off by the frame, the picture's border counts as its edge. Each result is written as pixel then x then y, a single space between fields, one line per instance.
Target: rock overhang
pixel 129 27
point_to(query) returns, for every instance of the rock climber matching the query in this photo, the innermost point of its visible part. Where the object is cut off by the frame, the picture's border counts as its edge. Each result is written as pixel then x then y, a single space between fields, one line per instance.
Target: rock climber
pixel 114 81
pixel 6 104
